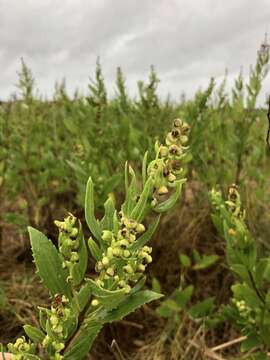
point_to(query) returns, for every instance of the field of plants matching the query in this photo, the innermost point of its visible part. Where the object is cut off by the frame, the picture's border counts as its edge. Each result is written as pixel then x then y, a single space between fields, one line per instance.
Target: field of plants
pixel 135 228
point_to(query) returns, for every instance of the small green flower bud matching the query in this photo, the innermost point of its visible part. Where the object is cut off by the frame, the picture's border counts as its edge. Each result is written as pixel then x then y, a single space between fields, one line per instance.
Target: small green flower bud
pixel 127 289
pixel 178 123
pixel 100 282
pixel 105 261
pixel 140 228
pixel 124 243
pixel 122 283
pixel 58 329
pixel 163 151
pixel 132 238
pixel 126 253
pixel 107 235
pixel 54 320
pixel 74 232
pixel 74 257
pixel 141 267
pixel 163 190
pixel 116 278
pixel 110 252
pixel 128 269
pixel 110 271
pixel 94 302
pixel 117 251
pixel 183 139
pixel 171 178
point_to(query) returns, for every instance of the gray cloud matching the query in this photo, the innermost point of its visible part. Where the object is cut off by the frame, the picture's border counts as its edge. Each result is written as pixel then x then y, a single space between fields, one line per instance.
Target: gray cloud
pixel 187 41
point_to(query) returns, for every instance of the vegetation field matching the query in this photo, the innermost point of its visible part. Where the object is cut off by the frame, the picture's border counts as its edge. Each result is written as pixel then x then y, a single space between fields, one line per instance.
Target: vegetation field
pixel 135 228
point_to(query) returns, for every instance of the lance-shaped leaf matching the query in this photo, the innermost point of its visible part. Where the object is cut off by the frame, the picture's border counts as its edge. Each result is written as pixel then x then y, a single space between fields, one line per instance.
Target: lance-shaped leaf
pixel 172 200
pixel 90 211
pixel 142 240
pixel 96 252
pixel 49 262
pixel 83 296
pixel 107 221
pixel 79 268
pixel 35 334
pixel 132 303
pixel 138 211
pixel 131 191
pixel 144 168
pixel 82 342
pixel 110 299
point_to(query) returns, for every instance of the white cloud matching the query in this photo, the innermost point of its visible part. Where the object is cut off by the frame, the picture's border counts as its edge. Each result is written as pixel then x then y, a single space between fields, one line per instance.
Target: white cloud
pixel 187 41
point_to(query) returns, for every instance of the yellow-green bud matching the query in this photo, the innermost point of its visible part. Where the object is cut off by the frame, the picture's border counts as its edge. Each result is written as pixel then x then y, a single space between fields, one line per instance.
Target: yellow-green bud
pixel 171 178
pixel 163 190
pixel 127 289
pixel 117 251
pixel 94 302
pixel 110 271
pixel 110 252
pixel 54 320
pixel 107 235
pixel 140 228
pixel 141 267
pixel 128 269
pixel 164 151
pixel 126 253
pixel 105 261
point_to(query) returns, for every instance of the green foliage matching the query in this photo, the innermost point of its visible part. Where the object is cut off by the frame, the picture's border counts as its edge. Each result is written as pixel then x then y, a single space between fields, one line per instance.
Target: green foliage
pixel 249 308
pixel 81 304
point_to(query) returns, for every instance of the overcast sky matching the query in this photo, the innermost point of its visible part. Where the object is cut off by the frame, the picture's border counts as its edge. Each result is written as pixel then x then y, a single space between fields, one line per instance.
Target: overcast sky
pixel 187 41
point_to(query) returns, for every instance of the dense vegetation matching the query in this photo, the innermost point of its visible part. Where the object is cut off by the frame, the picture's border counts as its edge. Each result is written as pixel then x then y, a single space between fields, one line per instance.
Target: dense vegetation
pixel 210 251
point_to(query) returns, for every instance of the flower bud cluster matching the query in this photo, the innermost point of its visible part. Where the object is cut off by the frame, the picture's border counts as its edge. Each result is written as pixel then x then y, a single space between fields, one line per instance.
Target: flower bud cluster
pixel 167 167
pixel 21 348
pixel 244 310
pixel 119 262
pixel 59 317
pixel 234 202
pixel 68 240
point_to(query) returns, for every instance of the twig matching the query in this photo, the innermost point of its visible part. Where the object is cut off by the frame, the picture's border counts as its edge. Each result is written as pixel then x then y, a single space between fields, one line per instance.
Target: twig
pixel 118 352
pixel 228 343
pixel 208 352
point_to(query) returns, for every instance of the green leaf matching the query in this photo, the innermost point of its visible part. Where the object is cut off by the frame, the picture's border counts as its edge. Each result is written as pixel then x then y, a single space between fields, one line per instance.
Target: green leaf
pixel 202 308
pixel 78 269
pixel 81 344
pixel 84 295
pixel 142 240
pixel 156 286
pixel 144 168
pixel 185 260
pixel 132 303
pixel 251 342
pixel 172 200
pixel 110 299
pixel 107 221
pixel 131 191
pixel 96 252
pixel 205 262
pixel 35 334
pixel 90 211
pixel 139 209
pixel 49 264
pixel 182 297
